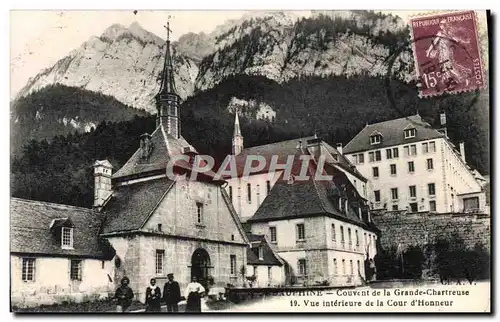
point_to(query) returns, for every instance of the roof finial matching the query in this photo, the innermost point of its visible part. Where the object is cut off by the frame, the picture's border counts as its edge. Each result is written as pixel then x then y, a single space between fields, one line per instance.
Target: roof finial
pixel 168 27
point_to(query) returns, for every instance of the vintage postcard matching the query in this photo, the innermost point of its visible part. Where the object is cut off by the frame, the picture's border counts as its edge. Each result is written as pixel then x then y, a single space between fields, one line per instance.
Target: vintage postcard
pixel 250 161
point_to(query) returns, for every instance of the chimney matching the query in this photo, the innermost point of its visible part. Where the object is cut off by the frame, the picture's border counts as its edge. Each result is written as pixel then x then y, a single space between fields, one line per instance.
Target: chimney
pixel 443 119
pixel 462 151
pixel 339 148
pixel 102 182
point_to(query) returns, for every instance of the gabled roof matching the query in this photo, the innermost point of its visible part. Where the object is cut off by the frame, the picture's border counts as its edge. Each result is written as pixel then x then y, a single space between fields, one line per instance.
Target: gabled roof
pixel 164 147
pixel 30 231
pixel 269 258
pixel 131 205
pixel 284 149
pixel 307 198
pixel 393 134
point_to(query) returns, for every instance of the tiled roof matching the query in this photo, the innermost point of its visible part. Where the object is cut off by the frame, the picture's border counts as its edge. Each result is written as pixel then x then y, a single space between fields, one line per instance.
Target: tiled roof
pixel 305 198
pixel 30 230
pixel 392 134
pixel 287 148
pixel 164 146
pixel 269 258
pixel 131 205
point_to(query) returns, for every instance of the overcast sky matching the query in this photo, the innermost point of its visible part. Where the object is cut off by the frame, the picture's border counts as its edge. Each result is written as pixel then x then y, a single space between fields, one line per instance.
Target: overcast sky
pixel 40 38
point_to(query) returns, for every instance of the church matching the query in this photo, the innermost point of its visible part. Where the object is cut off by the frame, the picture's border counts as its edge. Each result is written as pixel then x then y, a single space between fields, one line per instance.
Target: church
pixel 143 225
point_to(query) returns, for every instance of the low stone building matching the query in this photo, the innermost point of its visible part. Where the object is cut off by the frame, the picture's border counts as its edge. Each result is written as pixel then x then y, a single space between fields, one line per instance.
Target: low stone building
pixel 56 254
pixel 263 263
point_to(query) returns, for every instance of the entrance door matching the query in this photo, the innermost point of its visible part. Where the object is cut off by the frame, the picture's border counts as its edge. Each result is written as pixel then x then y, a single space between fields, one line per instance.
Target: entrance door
pixel 200 266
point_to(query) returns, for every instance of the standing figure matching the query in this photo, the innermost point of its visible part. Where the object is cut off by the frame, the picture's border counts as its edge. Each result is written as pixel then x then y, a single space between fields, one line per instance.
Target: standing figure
pixel 193 293
pixel 123 295
pixel 153 297
pixel 171 294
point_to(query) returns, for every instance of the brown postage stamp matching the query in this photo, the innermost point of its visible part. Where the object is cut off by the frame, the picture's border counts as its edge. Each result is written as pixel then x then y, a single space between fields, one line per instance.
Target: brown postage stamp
pixel 447 53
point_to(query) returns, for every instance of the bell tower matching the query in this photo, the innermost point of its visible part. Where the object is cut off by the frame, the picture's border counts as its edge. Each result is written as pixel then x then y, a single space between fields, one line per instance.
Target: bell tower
pixel 167 100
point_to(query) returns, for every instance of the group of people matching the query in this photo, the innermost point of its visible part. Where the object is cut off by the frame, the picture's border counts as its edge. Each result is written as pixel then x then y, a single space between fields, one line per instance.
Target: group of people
pixel 171 295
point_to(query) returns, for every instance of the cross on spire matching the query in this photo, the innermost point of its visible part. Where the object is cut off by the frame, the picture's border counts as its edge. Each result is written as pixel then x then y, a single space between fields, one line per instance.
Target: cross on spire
pixel 168 27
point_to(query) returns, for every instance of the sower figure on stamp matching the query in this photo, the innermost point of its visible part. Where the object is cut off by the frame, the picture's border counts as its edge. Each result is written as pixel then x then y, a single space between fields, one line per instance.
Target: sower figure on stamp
pixel 153 297
pixel 171 294
pixel 194 292
pixel 123 295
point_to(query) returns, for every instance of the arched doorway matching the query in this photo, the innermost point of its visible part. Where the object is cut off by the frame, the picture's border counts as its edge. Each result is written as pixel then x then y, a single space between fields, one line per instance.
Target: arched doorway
pixel 200 266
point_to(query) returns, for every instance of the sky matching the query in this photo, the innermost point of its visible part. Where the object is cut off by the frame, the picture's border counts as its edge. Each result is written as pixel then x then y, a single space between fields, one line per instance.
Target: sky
pixel 39 38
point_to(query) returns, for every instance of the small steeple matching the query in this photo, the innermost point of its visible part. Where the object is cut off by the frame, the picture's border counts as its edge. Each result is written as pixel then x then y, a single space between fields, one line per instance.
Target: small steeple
pixel 167 100
pixel 237 137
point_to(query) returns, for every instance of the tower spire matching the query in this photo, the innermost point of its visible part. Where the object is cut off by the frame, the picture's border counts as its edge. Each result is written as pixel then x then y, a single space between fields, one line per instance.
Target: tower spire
pixel 167 100
pixel 237 137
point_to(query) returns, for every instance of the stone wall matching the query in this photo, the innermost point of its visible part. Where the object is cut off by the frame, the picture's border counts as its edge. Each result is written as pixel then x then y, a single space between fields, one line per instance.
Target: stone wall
pixel 412 229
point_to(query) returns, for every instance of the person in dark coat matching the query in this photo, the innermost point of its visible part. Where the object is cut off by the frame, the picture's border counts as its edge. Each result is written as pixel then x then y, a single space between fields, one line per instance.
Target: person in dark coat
pixel 153 297
pixel 171 294
pixel 194 292
pixel 123 295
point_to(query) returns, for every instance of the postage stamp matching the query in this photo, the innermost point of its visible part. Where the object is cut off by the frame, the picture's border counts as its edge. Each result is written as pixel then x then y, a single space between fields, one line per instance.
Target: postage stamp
pixel 447 53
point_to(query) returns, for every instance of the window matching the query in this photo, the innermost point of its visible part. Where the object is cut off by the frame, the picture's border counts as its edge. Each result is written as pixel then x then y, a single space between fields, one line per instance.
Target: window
pixel 76 270
pixel 358 268
pixel 159 227
pixel 349 239
pixel 261 253
pixel 413 191
pixel 272 232
pixel 432 189
pixel 375 139
pixel 371 156
pixel 388 154
pixel 255 271
pixel 360 158
pixel 375 172
pixel 67 237
pixel 302 267
pixel 269 274
pixel 160 258
pixel 432 146
pixel 28 269
pixel 103 263
pixel 231 193
pixel 334 235
pixel 407 150
pixel 342 240
pixel 249 193
pixel 411 166
pixel 395 153
pixel 351 266
pixel 470 203
pixel 377 195
pixel 393 169
pixel 378 156
pixel 413 149
pixel 394 207
pixel 335 267
pixel 301 232
pixel 232 259
pixel 394 193
pixel 199 212
pixel 268 187
pixel 425 147
pixel 430 164
pixel 410 133
pixel 414 207
pixel 432 205
pixel 258 194
pixel 357 237
pixel 343 266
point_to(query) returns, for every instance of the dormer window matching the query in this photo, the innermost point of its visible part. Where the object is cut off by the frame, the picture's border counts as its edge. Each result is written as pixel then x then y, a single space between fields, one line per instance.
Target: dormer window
pixel 261 253
pixel 410 133
pixel 67 237
pixel 375 138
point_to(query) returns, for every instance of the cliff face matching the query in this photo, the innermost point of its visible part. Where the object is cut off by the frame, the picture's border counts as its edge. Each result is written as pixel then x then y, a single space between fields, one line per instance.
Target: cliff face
pixel 122 62
pixel 126 62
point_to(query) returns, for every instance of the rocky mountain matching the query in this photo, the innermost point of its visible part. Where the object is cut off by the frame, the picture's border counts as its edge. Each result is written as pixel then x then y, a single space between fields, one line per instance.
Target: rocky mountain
pixel 122 62
pixel 125 62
